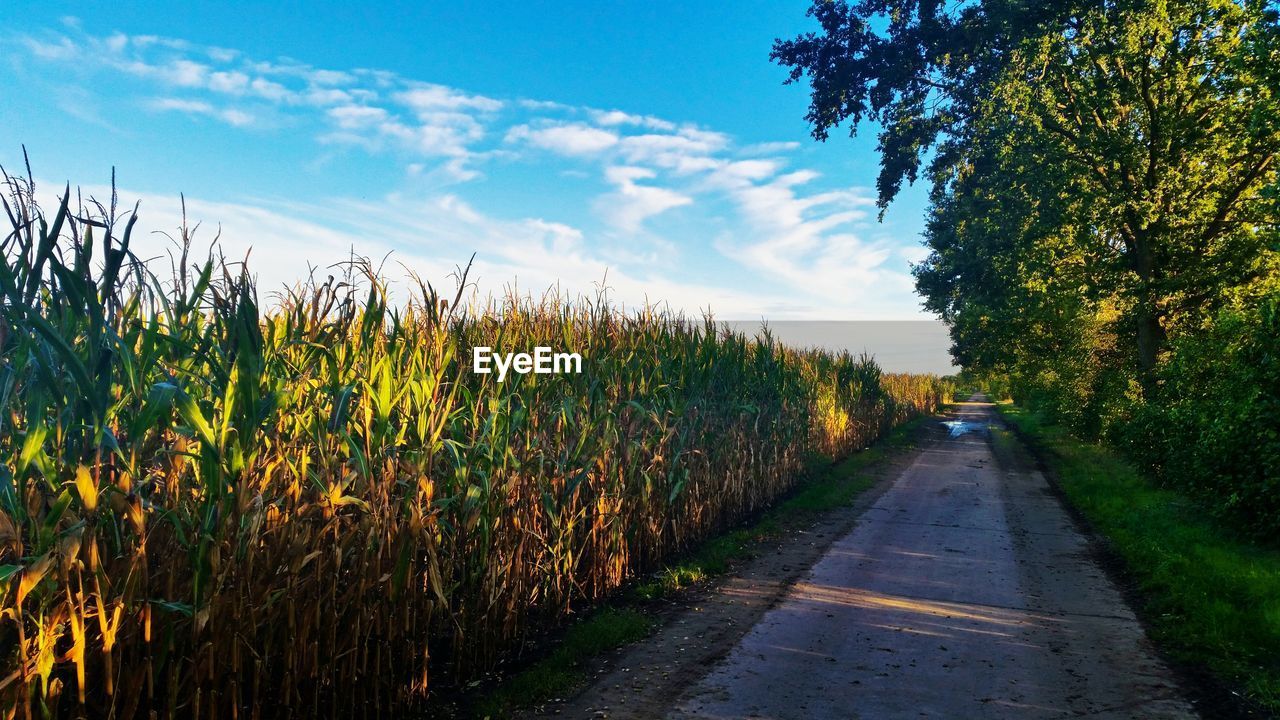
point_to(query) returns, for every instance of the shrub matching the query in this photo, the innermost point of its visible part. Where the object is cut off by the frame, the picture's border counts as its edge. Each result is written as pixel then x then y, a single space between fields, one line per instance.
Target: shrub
pixel 1215 428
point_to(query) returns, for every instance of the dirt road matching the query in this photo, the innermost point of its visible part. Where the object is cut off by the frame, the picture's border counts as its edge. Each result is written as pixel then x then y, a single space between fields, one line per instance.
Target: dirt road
pixel 963 591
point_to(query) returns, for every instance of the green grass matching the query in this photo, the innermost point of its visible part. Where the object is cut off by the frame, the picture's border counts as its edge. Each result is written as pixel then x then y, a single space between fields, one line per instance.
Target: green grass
pixel 561 672
pixel 611 627
pixel 1211 599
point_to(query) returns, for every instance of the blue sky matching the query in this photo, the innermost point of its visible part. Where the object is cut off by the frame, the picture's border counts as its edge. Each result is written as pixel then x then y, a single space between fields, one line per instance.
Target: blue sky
pixel 653 142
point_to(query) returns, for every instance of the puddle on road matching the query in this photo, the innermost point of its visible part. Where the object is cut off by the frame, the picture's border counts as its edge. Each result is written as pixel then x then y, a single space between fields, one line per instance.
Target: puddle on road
pixel 960 427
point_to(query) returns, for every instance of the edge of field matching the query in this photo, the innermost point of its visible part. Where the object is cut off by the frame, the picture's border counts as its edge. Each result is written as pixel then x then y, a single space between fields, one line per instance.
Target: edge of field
pixel 695 608
pixel 1209 601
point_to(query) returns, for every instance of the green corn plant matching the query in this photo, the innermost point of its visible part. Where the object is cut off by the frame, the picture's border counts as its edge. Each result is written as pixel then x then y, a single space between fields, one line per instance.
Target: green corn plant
pixel 218 505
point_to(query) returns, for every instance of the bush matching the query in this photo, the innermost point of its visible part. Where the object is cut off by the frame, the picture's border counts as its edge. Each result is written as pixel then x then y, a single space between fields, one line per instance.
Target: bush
pixel 1214 430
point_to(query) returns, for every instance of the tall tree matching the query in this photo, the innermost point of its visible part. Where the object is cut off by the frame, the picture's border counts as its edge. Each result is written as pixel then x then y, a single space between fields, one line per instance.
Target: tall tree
pixel 1162 116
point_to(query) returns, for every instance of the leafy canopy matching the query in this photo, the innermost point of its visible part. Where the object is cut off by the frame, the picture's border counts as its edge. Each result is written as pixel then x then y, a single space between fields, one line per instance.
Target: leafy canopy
pixel 1090 162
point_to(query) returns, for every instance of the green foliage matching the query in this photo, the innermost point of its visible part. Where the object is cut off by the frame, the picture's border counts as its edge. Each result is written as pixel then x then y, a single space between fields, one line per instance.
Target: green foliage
pixel 830 486
pixel 995 386
pixel 1104 209
pixel 833 485
pixel 1216 430
pixel 1100 172
pixel 920 69
pixel 212 507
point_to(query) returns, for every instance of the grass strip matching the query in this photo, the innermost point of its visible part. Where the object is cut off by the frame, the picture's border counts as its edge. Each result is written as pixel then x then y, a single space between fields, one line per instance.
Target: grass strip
pixel 561 671
pixel 622 623
pixel 1211 599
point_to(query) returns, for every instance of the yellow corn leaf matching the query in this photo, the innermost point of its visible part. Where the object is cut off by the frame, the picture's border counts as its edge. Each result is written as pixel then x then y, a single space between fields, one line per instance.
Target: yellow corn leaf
pixel 33 574
pixel 88 489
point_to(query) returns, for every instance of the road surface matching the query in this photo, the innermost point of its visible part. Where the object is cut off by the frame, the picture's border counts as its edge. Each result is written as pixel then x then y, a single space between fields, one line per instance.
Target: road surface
pixel 965 591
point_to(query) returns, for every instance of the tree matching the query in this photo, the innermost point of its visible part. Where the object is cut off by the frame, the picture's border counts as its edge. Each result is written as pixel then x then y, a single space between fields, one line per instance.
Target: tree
pixel 1160 118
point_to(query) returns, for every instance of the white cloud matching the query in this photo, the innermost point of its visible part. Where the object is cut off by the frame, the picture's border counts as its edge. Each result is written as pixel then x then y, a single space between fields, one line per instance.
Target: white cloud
pixel 443 135
pixel 230 116
pixel 188 106
pixel 769 148
pixel 617 117
pixel 329 77
pixel 239 118
pixel 457 170
pixel 806 243
pixel 228 82
pixel 631 203
pixel 688 151
pixel 427 119
pixel 357 116
pixel 269 89
pixel 429 99
pixel 117 41
pixel 429 236
pixel 543 105
pixel 568 139
pixel 914 254
pixel 782 224
pixel 222 55
pixel 741 173
pixel 60 49
pixel 328 96
pixel 184 73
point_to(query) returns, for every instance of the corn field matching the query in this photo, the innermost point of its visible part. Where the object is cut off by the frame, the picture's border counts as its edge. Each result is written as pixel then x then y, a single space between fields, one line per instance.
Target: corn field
pixel 213 505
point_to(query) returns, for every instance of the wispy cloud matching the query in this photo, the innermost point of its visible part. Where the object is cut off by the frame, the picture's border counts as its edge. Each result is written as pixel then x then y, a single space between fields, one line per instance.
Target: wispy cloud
pixel 769 148
pixel 774 224
pixel 631 203
pixel 808 240
pixel 426 237
pixel 566 139
pixel 617 117
pixel 60 48
pixel 427 99
pixel 230 116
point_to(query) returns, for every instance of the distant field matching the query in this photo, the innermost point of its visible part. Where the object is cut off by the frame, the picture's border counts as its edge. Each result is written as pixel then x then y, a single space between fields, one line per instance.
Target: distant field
pixel 910 346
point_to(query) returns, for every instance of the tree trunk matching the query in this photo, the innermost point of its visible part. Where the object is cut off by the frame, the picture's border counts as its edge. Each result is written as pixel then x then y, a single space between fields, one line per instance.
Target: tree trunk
pixel 1151 337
